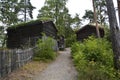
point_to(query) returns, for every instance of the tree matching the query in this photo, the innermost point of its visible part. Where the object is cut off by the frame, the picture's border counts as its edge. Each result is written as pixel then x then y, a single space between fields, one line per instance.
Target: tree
pixel 115 33
pixel 57 11
pixel 12 10
pixel 89 15
pixel 95 20
pixel 8 16
pixel 118 1
pixel 101 11
pixel 77 21
pixel 54 10
pixel 8 12
pixel 26 9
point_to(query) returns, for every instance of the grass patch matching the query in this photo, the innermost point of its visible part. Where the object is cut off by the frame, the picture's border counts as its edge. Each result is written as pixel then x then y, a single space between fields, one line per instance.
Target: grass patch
pixel 28 71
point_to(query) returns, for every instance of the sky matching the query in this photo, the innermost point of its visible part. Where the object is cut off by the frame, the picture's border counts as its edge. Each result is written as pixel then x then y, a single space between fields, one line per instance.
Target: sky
pixel 74 6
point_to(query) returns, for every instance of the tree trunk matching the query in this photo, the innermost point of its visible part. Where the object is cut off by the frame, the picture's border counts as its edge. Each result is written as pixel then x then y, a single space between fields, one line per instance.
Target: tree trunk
pixel 25 12
pixel 115 33
pixel 118 1
pixel 95 20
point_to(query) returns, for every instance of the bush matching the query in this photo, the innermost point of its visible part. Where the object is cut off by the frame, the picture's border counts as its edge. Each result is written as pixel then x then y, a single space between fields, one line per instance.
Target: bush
pixel 75 47
pixel 94 59
pixel 98 50
pixel 70 40
pixel 44 50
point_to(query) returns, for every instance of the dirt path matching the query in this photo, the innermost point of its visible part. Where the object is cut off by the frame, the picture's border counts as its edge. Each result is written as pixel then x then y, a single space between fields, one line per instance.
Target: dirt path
pixel 61 69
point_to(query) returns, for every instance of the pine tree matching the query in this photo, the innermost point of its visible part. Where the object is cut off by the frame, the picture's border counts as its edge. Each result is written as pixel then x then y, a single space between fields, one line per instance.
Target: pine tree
pixel 115 33
pixel 26 9
pixel 57 11
pixel 118 1
pixel 8 12
pixel 101 12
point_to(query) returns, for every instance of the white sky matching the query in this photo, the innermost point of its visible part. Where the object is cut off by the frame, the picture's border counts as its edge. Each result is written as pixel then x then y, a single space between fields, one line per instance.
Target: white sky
pixel 74 6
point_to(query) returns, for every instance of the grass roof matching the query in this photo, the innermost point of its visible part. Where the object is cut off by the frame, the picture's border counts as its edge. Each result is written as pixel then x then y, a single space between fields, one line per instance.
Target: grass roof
pixel 32 22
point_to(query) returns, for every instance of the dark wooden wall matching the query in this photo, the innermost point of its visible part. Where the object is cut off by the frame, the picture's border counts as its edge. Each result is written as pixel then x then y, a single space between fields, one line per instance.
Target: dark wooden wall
pixel 87 31
pixel 27 35
pixel 50 29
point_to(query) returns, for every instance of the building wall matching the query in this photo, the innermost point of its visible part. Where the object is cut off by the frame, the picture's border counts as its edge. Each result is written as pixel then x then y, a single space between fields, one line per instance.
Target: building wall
pixel 26 36
pixel 87 31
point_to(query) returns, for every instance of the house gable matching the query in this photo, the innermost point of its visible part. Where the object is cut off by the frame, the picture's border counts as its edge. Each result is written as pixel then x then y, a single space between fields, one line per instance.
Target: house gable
pixel 87 31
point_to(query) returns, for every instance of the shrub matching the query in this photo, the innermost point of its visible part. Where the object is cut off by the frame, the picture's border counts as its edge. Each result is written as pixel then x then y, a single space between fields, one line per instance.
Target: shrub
pixel 70 40
pixel 94 59
pixel 75 47
pixel 98 50
pixel 44 50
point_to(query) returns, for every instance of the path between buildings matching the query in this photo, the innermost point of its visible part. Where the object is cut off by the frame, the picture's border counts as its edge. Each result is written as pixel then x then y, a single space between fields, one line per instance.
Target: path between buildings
pixel 61 69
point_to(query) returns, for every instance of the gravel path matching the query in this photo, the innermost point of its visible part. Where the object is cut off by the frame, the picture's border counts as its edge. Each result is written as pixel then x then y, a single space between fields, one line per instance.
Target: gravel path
pixel 61 69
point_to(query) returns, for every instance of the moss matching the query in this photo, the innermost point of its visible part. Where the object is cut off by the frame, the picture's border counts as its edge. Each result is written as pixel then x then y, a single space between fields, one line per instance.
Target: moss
pixel 32 22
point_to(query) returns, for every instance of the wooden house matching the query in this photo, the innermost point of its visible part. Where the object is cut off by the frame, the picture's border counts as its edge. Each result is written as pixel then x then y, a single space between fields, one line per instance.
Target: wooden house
pixel 27 34
pixel 88 30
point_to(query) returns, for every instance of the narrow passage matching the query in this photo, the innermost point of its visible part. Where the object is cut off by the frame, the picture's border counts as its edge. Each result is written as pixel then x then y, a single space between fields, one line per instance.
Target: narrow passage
pixel 61 69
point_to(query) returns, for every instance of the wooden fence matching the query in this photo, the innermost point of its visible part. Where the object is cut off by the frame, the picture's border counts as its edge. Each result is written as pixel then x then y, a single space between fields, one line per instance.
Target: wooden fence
pixel 13 59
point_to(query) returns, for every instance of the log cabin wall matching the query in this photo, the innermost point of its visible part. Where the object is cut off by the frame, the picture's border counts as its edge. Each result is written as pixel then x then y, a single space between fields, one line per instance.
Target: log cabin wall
pixel 28 34
pixel 50 29
pixel 87 31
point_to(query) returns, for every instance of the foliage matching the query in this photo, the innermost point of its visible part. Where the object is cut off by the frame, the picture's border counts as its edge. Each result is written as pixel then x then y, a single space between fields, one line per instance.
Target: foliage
pixel 26 9
pixel 107 33
pixel 8 11
pixel 2 35
pixel 94 59
pixel 76 22
pixel 70 40
pixel 44 50
pixel 89 15
pixel 57 11
pixel 101 12
pixel 12 10
pixel 54 10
